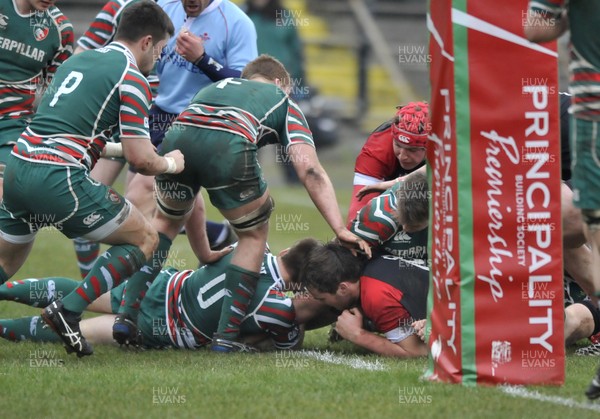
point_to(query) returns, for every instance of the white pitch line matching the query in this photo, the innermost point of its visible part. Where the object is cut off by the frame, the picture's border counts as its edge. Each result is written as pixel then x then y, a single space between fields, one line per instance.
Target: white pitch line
pixel 353 362
pixel 520 391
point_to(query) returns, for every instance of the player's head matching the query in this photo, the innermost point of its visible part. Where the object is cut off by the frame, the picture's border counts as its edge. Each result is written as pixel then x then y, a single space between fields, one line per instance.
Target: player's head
pixel 294 257
pixel 412 197
pixel 410 129
pixel 193 8
pixel 146 26
pixel 268 69
pixel 331 274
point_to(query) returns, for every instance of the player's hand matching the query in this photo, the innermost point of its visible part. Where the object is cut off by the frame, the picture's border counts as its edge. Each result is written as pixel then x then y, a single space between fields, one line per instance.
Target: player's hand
pixel 179 159
pixel 349 324
pixel 375 187
pixel 353 242
pixel 213 256
pixel 189 46
pixel 419 327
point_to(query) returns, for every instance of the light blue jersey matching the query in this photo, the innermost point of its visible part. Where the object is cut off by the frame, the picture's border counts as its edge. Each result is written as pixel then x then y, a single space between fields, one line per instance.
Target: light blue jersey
pixel 229 39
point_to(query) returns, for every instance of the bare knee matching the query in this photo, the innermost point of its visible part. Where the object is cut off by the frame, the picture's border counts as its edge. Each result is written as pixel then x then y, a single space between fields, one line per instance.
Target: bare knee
pixel 579 323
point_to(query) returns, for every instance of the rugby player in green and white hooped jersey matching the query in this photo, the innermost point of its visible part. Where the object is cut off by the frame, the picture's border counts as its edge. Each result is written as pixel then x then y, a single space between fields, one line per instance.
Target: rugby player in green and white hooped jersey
pixel 182 308
pixel 35 38
pixel 48 170
pixel 221 130
pixel 396 221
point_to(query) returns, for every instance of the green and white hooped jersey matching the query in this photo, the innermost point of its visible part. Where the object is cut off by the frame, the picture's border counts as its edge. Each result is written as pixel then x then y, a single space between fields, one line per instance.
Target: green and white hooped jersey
pixel 377 224
pixel 91 95
pixel 32 46
pixel 259 112
pixel 194 299
pixel 102 31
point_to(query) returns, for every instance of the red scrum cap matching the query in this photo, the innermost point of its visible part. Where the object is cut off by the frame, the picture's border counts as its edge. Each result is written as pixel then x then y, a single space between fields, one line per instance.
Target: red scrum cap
pixel 411 125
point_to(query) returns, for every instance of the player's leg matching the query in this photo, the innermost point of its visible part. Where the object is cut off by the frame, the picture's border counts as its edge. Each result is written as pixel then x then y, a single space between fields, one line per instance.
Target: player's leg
pixel 582 320
pixel 105 216
pixel 585 148
pixel 98 330
pixel 140 193
pixel 12 255
pixel 106 171
pixel 27 328
pixel 572 223
pixel 251 224
pixel 37 292
pixel 174 202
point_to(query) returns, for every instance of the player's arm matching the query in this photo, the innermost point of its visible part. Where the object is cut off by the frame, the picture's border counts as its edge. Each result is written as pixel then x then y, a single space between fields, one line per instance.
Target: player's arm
pixel 65 50
pixel 139 152
pixel 321 191
pixel 241 49
pixel 134 95
pixel 102 29
pixel 379 187
pixel 546 20
pixel 349 326
pixel 195 227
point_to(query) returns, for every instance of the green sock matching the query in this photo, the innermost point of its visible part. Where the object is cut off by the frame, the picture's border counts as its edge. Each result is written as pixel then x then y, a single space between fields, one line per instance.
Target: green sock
pixel 27 328
pixel 113 267
pixel 37 292
pixel 139 283
pixel 241 284
pixel 87 252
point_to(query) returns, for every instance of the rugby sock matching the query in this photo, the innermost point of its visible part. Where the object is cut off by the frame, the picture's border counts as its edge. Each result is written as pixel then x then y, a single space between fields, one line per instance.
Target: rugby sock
pixel 138 284
pixel 87 252
pixel 27 328
pixel 113 267
pixel 216 233
pixel 241 284
pixel 37 292
pixel 3 276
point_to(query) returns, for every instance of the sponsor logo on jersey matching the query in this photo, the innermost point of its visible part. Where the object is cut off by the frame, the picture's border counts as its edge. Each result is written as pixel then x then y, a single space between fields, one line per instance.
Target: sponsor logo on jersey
pixel 205 36
pixel 3 21
pixel 402 236
pixel 92 219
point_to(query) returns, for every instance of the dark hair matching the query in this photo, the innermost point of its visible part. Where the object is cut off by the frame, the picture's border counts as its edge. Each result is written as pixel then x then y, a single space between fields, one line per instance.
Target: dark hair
pixel 328 265
pixel 267 66
pixel 296 256
pixel 144 18
pixel 412 197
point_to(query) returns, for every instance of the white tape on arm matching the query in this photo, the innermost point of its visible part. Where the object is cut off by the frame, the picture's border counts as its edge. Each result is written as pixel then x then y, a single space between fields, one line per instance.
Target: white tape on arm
pixel 171 165
pixel 112 150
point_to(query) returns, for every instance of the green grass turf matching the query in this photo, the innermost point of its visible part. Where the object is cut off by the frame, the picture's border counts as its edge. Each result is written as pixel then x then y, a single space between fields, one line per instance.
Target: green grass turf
pixel 117 383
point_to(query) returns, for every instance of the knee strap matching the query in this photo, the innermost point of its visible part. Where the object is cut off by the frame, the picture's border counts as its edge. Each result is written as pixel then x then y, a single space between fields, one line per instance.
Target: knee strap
pixel 255 218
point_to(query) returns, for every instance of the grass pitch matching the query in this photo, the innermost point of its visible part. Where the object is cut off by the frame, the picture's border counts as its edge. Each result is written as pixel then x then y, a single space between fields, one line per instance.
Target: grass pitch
pixel 324 380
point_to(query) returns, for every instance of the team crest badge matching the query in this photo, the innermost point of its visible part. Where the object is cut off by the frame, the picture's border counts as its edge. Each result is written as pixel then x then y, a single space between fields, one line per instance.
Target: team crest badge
pixel 40 31
pixel 40 26
pixel 113 196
